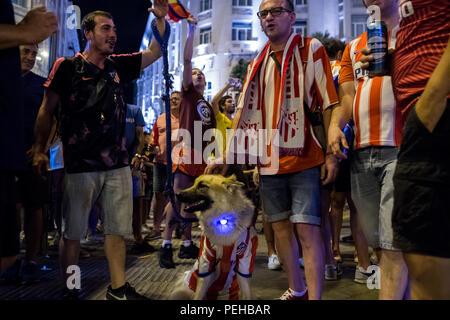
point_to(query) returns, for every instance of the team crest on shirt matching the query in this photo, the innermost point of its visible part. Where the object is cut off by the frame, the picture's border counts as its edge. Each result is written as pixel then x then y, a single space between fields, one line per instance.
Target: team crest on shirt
pixel 205 112
pixel 241 249
pixel 115 77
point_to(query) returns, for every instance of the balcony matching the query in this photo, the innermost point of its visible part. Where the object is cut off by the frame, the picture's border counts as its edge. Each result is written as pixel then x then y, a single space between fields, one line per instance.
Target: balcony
pixel 242 11
pixel 357 4
pixel 203 49
pixel 205 15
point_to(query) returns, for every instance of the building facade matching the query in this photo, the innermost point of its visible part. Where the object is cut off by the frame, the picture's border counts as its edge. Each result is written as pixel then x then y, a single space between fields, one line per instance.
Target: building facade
pixel 229 30
pixel 64 42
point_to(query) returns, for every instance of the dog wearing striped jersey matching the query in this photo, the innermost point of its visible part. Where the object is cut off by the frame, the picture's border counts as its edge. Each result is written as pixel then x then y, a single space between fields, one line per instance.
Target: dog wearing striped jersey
pixel 228 241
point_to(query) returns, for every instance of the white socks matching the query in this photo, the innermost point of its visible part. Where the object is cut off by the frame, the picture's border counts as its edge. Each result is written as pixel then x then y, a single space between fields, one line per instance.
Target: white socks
pixel 186 243
pixel 298 294
pixel 166 242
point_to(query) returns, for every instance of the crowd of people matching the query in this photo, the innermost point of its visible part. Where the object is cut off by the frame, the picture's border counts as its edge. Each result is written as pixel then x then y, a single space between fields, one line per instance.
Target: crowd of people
pixel 335 135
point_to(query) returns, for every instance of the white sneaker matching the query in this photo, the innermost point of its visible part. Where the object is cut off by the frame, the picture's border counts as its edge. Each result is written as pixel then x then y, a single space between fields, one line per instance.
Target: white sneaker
pixel 361 275
pixel 274 263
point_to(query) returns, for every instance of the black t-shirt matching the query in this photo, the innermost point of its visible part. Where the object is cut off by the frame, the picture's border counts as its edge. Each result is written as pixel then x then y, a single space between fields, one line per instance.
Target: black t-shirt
pixel 33 95
pixel 93 110
pixel 11 101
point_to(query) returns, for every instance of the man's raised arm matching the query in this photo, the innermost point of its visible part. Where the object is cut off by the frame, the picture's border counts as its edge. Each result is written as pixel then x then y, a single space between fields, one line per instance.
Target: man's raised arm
pixel 153 52
pixel 188 52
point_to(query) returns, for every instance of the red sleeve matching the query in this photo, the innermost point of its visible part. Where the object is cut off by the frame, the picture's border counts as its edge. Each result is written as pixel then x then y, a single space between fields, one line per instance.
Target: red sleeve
pixel 323 77
pixel 155 133
pixel 346 72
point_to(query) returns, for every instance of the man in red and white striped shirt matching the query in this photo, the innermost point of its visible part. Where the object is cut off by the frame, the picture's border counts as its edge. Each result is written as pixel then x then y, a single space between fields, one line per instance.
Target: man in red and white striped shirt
pixel 378 129
pixel 289 71
pixel 420 76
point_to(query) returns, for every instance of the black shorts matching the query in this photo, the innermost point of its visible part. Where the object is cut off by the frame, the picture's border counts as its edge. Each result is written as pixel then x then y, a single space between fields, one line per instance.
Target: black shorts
pixel 9 219
pixel 33 190
pixel 159 177
pixel 343 182
pixel 421 217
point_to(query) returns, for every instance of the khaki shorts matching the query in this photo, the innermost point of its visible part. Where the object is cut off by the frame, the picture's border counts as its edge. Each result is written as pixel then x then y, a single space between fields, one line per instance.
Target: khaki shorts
pixel 112 189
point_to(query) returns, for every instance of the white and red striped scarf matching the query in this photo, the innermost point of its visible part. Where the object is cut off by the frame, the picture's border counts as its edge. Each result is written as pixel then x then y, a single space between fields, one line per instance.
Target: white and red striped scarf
pixel 286 133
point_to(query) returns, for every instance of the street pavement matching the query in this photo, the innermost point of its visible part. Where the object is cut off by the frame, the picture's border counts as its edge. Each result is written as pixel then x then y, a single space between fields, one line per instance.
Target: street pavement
pixel 149 279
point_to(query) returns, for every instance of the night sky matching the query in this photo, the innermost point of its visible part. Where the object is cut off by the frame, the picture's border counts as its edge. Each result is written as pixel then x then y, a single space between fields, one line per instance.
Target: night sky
pixel 130 17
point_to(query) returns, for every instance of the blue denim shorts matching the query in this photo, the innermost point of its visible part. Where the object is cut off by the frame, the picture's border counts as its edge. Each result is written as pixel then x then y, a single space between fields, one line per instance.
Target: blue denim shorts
pixel 295 196
pixel 113 190
pixel 372 171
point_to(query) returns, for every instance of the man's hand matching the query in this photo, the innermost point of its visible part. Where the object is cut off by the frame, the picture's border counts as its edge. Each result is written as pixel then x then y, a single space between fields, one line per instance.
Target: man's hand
pixel 329 169
pixel 368 58
pixel 234 82
pixel 38 25
pixel 217 166
pixel 40 160
pixel 192 22
pixel 336 139
pixel 160 9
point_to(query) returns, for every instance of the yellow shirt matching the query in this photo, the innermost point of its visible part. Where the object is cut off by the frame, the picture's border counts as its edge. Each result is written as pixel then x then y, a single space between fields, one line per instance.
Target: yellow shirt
pixel 222 124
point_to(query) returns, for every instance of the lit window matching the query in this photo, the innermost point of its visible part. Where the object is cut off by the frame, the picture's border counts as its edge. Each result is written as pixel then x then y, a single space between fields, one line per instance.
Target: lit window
pixel 241 31
pixel 358 25
pixel 205 5
pixel 205 35
pixel 242 3
pixel 300 27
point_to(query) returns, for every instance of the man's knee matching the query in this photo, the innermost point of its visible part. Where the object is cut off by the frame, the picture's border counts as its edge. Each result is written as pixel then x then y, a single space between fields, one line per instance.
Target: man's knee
pixel 282 228
pixel 308 234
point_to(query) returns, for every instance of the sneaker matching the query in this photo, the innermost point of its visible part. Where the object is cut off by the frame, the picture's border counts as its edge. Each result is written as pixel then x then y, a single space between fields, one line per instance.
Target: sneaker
pixel 152 235
pixel 337 256
pixel 332 272
pixel 289 295
pixel 348 239
pixel 361 275
pixel 302 264
pixel 30 273
pixel 126 292
pixel 165 257
pixel 70 294
pixel 84 254
pixel 190 252
pixel 12 274
pixel 142 248
pixel 355 257
pixel 274 263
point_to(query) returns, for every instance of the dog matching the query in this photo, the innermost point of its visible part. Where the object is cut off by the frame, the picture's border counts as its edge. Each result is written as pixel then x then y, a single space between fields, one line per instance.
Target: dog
pixel 228 242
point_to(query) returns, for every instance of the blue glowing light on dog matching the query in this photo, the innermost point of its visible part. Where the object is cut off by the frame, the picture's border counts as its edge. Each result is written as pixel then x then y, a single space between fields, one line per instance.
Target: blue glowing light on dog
pixel 225 223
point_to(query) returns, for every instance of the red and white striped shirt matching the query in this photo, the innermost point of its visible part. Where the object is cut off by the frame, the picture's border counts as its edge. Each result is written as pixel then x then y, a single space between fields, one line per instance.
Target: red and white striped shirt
pixel 421 41
pixel 223 263
pixel 377 120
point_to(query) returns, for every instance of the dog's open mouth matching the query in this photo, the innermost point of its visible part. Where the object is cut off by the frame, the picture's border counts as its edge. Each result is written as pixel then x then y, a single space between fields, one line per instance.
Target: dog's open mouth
pixel 200 205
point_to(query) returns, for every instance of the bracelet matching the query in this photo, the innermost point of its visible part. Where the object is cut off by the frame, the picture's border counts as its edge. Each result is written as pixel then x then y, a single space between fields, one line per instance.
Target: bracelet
pixel 137 155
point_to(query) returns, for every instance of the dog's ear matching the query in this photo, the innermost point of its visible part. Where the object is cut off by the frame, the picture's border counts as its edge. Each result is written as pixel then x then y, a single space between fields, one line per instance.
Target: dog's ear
pixel 231 183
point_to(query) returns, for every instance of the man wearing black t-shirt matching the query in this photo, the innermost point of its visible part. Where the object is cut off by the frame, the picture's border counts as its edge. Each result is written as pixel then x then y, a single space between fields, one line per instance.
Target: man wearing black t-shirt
pixel 37 25
pixel 89 89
